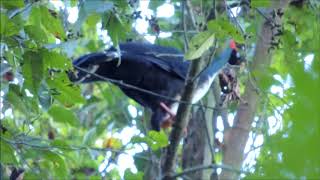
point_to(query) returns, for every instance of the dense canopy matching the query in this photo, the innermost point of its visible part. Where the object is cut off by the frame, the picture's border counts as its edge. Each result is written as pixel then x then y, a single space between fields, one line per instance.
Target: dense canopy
pixel 260 119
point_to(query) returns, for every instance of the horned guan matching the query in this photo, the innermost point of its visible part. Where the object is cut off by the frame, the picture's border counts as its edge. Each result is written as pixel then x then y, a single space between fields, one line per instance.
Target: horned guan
pixel 155 68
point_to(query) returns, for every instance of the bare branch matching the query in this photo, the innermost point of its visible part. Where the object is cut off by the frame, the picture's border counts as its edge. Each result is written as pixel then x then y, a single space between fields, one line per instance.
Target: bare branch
pixel 191 15
pixel 183 19
pixel 211 166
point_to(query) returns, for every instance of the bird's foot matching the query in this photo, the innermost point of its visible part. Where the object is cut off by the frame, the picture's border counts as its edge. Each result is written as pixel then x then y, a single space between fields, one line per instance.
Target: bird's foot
pixel 169 121
pixel 167 109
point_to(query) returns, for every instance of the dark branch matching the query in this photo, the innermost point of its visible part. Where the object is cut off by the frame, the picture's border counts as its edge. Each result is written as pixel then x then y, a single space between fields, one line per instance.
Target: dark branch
pixel 182 119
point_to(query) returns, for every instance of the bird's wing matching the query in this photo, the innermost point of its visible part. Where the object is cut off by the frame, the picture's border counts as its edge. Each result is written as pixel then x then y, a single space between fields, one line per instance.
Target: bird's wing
pixel 166 58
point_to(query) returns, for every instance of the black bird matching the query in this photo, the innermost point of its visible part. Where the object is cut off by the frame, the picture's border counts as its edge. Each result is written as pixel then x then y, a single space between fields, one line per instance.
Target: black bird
pixel 155 68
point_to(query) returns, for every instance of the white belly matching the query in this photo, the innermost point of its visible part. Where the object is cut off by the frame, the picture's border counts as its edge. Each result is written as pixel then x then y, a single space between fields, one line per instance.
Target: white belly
pixel 202 90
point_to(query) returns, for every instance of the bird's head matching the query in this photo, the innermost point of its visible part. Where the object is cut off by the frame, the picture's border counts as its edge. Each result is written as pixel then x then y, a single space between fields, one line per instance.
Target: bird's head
pixel 235 58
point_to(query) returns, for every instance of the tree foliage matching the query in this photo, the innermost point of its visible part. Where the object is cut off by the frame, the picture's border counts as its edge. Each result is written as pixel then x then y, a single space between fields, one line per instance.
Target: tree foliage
pixel 53 128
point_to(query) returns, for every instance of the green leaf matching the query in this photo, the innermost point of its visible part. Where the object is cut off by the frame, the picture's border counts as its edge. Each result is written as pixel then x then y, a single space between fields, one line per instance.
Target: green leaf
pixel 156 4
pixel 68 47
pixel 43 19
pixel 199 44
pixel 11 4
pixel 55 60
pixel 29 175
pixel 59 165
pixel 45 98
pixel 128 175
pixel 223 28
pixel 264 79
pixel 61 144
pixel 160 139
pixel 29 153
pixel 93 19
pixel 36 33
pixel 7 153
pixel 155 140
pixel 90 136
pixel 51 23
pixel 95 177
pixel 73 3
pixel 218 157
pixel 7 27
pixel 90 7
pixel 16 98
pixel 260 3
pixel 140 163
pixel 117 29
pixel 34 17
pixel 64 91
pixel 63 115
pixel 32 71
pixel 114 174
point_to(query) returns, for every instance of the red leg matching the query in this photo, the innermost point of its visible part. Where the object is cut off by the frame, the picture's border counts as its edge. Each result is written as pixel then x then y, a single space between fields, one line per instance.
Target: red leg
pixel 166 123
pixel 167 109
pixel 169 121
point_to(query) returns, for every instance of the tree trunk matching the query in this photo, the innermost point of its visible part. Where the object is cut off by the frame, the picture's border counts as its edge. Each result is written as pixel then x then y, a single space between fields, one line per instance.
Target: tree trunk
pixel 197 145
pixel 235 138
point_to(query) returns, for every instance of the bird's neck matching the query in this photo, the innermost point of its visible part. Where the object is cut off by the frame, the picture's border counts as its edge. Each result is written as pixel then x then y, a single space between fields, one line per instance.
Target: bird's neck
pixel 218 62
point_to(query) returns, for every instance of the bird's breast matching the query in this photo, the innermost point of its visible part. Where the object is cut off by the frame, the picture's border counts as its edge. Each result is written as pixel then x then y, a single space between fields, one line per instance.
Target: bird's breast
pixel 203 87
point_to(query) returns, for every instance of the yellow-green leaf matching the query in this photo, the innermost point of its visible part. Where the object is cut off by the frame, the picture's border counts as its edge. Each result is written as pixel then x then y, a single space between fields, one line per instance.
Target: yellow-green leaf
pixel 7 27
pixel 7 153
pixel 63 115
pixel 32 71
pixel 64 91
pixel 199 44
pixel 11 4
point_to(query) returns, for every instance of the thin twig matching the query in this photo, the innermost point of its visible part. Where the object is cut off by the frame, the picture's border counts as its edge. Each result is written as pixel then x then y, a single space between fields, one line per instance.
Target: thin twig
pixel 186 41
pixel 211 166
pixel 191 15
pixel 263 15
pixel 234 17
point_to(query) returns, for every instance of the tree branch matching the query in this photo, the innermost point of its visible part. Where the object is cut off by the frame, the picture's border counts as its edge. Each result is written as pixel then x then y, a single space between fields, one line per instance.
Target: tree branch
pixel 183 19
pixel 211 166
pixel 190 12
pixel 181 119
